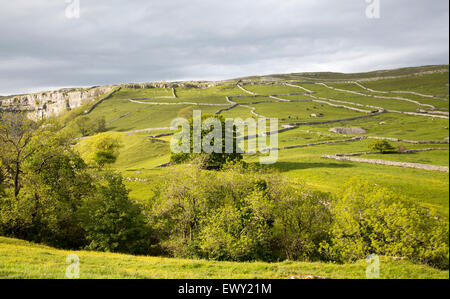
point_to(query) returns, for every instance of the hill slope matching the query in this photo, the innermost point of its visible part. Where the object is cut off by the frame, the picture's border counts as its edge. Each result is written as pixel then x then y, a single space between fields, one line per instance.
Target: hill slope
pixel 20 259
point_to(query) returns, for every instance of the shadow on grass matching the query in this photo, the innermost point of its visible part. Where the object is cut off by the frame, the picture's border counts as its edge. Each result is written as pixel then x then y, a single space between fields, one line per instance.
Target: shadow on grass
pixel 287 166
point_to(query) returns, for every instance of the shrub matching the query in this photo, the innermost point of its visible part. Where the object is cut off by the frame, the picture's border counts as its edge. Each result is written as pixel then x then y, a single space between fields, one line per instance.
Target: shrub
pixel 238 214
pixel 112 222
pixel 241 231
pixel 102 149
pixel 88 125
pixel 369 219
pixel 381 146
pixel 207 160
pixel 302 223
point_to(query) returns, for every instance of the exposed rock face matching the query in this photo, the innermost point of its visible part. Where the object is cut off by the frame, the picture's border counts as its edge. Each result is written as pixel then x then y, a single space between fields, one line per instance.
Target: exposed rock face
pixel 52 103
pixel 351 130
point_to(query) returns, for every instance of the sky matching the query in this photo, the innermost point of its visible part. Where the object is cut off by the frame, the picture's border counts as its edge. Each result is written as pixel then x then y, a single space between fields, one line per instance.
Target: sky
pixel 50 44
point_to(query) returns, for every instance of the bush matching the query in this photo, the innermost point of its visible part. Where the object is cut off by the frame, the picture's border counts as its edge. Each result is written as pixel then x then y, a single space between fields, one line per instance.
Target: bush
pixel 112 222
pixel 369 219
pixel 238 214
pixel 381 146
pixel 102 149
pixel 89 126
pixel 241 231
pixel 302 222
pixel 207 160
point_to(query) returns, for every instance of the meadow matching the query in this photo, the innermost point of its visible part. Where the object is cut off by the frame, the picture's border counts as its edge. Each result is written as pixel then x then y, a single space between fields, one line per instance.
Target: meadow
pixel 21 259
pixel 134 122
pixel 431 188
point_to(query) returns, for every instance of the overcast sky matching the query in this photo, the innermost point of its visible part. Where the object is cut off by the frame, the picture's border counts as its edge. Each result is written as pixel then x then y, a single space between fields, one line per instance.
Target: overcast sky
pixel 118 41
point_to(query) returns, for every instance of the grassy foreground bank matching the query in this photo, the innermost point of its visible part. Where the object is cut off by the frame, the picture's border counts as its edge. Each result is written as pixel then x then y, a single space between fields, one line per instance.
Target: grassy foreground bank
pixel 21 259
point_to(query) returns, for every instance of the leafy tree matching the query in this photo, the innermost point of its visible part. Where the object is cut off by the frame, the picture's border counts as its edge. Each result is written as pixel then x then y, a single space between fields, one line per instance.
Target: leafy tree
pixel 381 146
pixel 2 179
pixel 88 125
pixel 240 231
pixel 208 160
pixel 57 184
pixel 113 223
pixel 103 149
pixel 302 222
pixel 369 219
pixel 238 214
pixel 52 184
pixel 16 133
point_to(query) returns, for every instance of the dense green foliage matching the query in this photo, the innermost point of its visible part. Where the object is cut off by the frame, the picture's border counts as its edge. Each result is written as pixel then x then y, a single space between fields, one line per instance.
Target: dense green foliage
pixel 102 149
pixel 88 125
pixel 368 219
pixel 54 187
pixel 381 146
pixel 239 214
pixel 53 197
pixel 214 160
pixel 112 222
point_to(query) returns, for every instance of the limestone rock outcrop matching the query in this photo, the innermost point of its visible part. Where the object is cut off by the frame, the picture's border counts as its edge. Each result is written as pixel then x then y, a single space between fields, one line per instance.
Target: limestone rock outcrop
pixel 351 130
pixel 52 103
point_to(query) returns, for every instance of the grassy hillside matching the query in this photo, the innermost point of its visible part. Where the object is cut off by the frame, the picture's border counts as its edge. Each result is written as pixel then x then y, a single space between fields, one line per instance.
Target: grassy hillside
pixel 20 259
pixel 321 76
pixel 141 153
pixel 415 102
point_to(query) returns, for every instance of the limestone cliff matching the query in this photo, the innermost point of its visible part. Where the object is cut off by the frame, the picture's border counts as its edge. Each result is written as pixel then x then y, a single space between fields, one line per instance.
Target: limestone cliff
pixel 52 103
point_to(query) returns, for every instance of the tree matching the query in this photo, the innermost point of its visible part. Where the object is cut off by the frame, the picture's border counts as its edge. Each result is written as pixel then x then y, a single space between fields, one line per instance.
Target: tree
pixel 2 179
pixel 205 160
pixel 103 149
pixel 16 133
pixel 241 231
pixel 47 184
pixel 238 214
pixel 56 184
pixel 88 126
pixel 113 223
pixel 381 146
pixel 369 219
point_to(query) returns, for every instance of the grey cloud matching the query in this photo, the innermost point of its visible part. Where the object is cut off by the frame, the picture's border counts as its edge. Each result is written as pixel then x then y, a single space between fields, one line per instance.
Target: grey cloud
pixel 147 40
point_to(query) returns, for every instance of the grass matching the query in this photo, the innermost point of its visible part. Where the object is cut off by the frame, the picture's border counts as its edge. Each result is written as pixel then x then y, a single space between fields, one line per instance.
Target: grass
pixel 428 187
pixel 141 116
pixel 140 155
pixel 272 89
pixel 388 104
pixel 395 126
pixel 437 157
pixel 302 111
pixel 212 95
pixel 325 76
pixel 434 84
pixel 20 259
pixel 438 103
pixel 132 93
pixel 249 100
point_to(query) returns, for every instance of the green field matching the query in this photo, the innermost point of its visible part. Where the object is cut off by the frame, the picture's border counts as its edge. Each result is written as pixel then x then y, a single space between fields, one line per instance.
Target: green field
pixel 428 187
pixel 140 156
pixel 130 93
pixel 20 259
